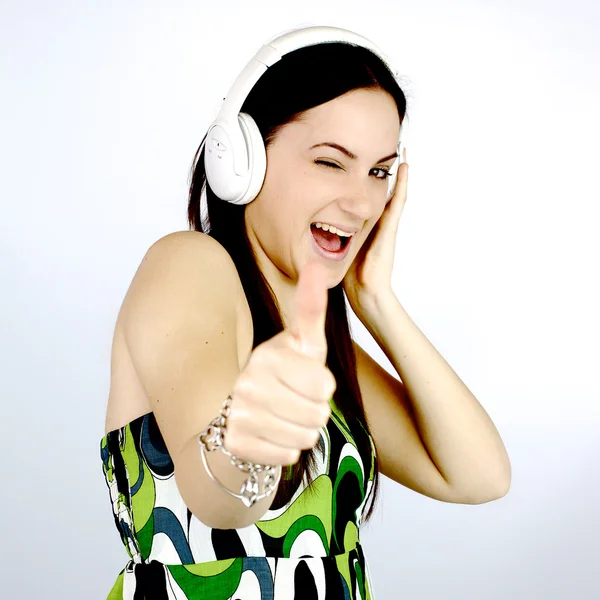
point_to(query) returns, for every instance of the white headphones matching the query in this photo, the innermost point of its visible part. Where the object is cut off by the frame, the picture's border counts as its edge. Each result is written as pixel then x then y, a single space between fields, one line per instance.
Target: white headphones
pixel 235 158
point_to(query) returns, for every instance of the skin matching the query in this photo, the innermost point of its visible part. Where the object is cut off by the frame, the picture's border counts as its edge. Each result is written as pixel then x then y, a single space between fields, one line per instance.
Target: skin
pixel 297 191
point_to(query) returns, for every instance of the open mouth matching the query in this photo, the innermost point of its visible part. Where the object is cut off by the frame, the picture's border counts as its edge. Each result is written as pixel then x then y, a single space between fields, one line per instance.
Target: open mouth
pixel 331 242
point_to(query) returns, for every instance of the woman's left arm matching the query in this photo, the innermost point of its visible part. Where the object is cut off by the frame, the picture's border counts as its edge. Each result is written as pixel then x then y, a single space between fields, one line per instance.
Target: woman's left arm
pixel 431 402
pixel 458 434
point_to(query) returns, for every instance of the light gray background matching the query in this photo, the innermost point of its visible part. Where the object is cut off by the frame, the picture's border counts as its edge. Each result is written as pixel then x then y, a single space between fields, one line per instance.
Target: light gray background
pixel 102 106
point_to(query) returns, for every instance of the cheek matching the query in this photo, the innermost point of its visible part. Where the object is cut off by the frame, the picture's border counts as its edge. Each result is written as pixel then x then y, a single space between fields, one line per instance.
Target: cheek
pixel 379 214
pixel 368 231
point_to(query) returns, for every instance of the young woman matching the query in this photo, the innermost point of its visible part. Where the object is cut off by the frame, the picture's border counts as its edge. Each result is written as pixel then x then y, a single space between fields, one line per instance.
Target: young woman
pixel 246 430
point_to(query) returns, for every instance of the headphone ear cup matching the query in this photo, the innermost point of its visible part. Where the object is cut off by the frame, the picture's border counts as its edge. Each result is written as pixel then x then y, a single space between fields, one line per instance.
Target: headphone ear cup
pixel 257 157
pixel 392 179
pixel 394 168
pixel 222 145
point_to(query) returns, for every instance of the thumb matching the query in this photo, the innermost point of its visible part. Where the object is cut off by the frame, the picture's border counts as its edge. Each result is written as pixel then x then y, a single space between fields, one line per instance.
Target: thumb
pixel 309 311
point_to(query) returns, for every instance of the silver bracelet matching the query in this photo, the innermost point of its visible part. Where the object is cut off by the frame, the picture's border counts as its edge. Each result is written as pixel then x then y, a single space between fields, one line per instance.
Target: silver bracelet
pixel 213 439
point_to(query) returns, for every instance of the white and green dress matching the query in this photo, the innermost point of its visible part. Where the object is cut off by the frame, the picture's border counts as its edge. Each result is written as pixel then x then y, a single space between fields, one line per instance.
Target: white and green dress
pixel 307 549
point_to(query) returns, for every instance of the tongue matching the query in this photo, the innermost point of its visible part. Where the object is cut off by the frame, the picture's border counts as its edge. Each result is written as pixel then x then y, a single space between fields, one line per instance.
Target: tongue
pixel 327 241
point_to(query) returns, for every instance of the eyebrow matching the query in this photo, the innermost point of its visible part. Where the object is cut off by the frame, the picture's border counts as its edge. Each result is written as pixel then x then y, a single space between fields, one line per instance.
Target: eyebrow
pixel 348 153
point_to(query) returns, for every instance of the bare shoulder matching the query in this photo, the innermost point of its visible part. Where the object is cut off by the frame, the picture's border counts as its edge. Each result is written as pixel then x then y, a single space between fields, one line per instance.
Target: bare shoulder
pixel 186 289
pixel 193 251
pixel 185 262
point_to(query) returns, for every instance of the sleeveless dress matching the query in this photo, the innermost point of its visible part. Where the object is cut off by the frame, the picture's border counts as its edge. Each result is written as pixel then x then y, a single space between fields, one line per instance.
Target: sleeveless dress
pixel 307 549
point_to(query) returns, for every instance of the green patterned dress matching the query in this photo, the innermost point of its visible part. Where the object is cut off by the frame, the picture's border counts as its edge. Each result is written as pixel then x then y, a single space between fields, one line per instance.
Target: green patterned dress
pixel 307 549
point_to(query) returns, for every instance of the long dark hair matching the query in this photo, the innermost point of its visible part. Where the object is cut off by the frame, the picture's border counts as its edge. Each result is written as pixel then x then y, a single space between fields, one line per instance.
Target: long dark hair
pixel 301 80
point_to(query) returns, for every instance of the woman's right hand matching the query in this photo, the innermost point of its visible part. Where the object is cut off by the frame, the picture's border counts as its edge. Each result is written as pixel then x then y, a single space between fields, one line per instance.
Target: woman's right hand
pixel 280 400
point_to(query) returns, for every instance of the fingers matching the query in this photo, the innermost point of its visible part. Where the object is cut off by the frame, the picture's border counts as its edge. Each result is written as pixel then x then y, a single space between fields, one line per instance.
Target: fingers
pixel 307 379
pixel 261 451
pixel 274 440
pixel 276 369
pixel 307 411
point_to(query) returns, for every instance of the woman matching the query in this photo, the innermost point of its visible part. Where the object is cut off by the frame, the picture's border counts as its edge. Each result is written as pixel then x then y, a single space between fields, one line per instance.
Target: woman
pixel 249 307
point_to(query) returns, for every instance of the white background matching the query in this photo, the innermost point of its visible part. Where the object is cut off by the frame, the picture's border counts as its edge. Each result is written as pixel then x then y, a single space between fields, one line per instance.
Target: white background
pixel 102 106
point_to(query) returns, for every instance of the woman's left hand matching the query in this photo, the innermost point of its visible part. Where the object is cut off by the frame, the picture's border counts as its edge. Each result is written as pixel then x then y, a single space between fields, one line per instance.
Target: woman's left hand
pixel 370 274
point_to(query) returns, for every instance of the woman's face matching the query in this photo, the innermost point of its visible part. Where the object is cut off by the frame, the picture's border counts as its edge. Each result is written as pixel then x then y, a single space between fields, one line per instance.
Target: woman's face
pixel 298 191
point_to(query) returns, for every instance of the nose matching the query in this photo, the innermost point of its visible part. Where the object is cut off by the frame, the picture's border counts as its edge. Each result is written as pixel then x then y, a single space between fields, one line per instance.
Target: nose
pixel 358 202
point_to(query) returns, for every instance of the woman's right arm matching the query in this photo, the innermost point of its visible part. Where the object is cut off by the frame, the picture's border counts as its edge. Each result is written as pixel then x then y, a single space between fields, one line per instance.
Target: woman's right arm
pixel 179 320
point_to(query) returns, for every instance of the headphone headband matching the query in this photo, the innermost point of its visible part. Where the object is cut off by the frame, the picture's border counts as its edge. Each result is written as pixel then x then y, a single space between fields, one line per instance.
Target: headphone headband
pixel 275 49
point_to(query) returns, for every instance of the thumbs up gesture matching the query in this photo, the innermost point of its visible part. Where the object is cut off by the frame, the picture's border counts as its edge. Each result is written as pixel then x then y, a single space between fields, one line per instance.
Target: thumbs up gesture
pixel 280 400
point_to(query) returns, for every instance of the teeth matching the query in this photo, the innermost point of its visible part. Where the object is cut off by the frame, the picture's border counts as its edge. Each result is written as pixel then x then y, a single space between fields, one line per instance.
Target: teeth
pixel 332 229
